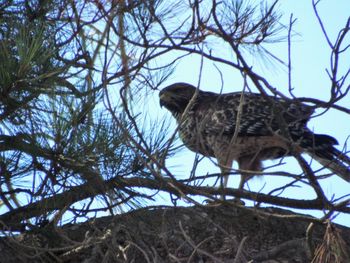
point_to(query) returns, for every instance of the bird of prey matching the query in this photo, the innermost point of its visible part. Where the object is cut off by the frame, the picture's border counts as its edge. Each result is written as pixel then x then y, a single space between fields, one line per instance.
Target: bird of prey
pixel 248 128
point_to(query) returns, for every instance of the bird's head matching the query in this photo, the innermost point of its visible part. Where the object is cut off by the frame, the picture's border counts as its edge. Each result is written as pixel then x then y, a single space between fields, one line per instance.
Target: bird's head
pixel 176 97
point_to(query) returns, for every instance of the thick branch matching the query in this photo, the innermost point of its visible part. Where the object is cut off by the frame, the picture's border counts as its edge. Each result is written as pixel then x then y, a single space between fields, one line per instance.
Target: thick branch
pixel 59 201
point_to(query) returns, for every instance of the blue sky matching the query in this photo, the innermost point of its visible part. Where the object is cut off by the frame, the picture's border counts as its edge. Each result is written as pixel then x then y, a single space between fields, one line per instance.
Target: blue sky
pixel 310 58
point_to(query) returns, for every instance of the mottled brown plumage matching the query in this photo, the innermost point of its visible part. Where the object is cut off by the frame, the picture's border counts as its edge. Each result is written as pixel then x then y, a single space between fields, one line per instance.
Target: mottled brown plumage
pixel 248 129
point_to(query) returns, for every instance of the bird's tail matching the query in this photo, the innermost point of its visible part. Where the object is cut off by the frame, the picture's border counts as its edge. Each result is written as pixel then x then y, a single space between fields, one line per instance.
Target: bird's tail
pixel 321 148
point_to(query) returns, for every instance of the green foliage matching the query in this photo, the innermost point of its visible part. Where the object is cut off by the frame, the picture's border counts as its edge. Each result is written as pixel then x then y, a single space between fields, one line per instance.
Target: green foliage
pixel 56 133
pixel 79 132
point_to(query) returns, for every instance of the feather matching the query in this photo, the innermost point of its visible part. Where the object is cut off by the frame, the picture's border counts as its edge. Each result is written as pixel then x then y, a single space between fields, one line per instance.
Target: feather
pixel 266 125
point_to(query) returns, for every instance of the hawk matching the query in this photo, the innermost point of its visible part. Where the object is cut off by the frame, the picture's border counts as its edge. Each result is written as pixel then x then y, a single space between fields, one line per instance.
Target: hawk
pixel 248 128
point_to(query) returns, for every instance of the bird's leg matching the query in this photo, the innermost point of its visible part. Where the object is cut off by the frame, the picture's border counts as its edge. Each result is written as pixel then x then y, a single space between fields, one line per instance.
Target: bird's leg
pixel 224 178
pixel 223 181
pixel 242 181
pixel 248 163
pixel 244 178
pixel 225 168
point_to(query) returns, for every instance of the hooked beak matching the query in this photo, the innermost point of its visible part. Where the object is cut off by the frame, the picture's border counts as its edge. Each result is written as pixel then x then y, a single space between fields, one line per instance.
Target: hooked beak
pixel 162 99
